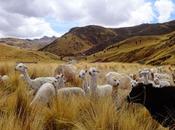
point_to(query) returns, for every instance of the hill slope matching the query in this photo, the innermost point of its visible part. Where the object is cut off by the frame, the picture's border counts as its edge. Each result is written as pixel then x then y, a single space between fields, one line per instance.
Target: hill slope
pixel 91 39
pixel 68 45
pixel 142 49
pixel 9 53
pixel 33 44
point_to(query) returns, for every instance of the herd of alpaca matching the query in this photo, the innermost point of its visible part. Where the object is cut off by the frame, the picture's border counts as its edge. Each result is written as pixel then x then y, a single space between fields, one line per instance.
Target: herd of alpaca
pixel 118 84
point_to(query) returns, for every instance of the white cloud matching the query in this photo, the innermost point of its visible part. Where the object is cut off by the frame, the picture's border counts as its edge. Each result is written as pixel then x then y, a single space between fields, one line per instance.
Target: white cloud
pixel 29 18
pixel 35 27
pixel 142 14
pixel 164 8
pixel 103 12
pixel 17 25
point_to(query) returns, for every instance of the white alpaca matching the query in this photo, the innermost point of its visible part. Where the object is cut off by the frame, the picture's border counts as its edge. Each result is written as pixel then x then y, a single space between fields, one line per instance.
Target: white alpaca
pixel 123 89
pixel 69 91
pixel 161 83
pixel 98 90
pixel 46 92
pixel 83 77
pixel 145 76
pixel 133 82
pixel 33 83
pixel 114 83
pixel 125 81
pixel 62 81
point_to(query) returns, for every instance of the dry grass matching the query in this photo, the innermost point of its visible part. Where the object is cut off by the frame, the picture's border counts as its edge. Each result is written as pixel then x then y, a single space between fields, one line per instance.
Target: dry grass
pixel 76 113
pixel 16 54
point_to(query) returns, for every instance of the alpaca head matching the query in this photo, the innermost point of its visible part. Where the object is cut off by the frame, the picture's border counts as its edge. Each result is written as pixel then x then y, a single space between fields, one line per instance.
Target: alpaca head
pixel 82 74
pixel 93 71
pixel 21 67
pixel 144 73
pixel 55 82
pixel 60 77
pixel 156 75
pixel 61 80
pixel 133 83
pixel 156 81
pixel 114 82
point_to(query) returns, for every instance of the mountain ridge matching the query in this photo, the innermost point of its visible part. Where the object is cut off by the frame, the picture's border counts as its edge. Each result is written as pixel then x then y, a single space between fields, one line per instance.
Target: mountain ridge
pixel 93 38
pixel 31 44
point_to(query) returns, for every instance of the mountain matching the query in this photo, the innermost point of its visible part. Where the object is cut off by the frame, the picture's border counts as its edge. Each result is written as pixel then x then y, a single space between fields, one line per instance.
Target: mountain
pixel 155 50
pixel 10 53
pixel 31 44
pixel 92 39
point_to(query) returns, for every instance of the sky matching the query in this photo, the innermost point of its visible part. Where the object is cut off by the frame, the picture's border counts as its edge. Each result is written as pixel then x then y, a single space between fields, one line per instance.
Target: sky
pixel 37 18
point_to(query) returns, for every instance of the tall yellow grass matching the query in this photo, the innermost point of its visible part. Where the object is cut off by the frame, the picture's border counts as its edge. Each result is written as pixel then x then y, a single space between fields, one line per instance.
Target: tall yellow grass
pixel 72 113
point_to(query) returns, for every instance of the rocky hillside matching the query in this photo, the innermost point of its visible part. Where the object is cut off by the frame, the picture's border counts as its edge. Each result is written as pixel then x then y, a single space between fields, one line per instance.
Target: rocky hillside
pixel 92 39
pixel 154 50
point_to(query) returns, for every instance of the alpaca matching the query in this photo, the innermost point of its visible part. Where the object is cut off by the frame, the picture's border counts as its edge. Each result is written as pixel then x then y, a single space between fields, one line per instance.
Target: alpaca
pixel 70 73
pixel 83 77
pixel 123 89
pixel 62 81
pixel 114 83
pixel 161 83
pixel 46 92
pixel 98 90
pixel 125 80
pixel 145 75
pixel 33 83
pixel 68 91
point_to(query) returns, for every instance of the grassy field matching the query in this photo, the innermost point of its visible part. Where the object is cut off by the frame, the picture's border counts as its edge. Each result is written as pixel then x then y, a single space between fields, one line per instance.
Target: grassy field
pixel 75 113
pixel 10 53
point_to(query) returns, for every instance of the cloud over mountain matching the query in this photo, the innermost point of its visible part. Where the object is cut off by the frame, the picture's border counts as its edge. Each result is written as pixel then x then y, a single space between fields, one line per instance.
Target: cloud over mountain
pixel 29 18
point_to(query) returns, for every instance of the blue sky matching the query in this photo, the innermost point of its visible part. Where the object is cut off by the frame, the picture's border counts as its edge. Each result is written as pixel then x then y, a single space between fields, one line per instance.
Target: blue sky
pixel 36 18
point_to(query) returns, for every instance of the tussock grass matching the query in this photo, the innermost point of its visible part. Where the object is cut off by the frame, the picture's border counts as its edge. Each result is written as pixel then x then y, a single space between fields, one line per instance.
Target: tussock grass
pixel 68 113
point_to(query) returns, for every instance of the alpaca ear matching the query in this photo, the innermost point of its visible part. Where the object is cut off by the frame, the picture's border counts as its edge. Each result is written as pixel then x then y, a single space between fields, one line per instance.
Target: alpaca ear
pixel 61 75
pixel 25 67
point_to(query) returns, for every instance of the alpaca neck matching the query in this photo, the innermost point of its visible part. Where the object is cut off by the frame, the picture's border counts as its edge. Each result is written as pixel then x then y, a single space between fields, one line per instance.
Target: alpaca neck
pixel 27 77
pixel 85 85
pixel 61 84
pixel 146 79
pixel 114 93
pixel 93 86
